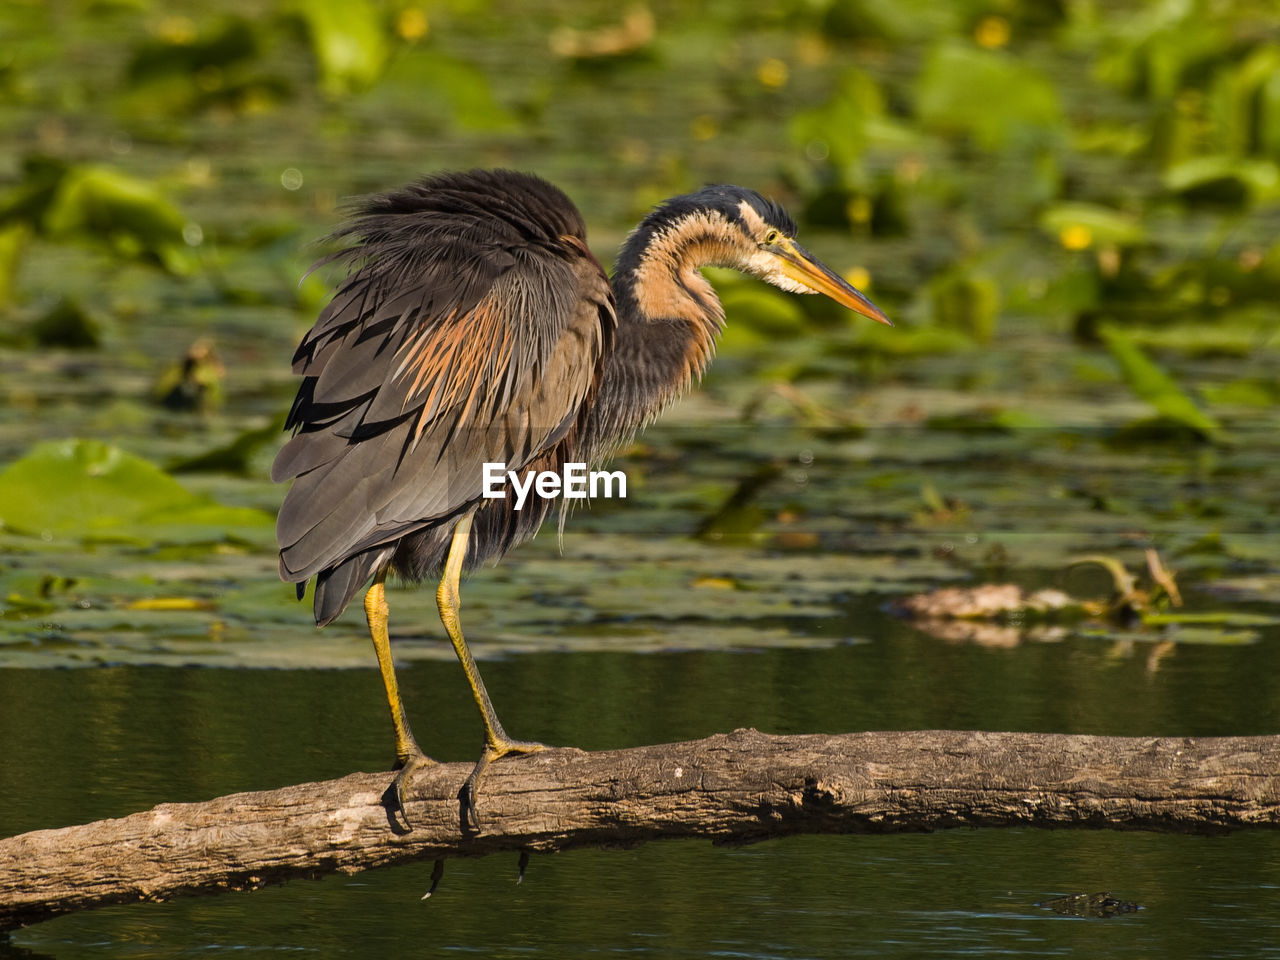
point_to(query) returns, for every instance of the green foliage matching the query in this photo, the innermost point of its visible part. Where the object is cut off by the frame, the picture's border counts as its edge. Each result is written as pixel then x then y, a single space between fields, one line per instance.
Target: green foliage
pixel 67 324
pixel 99 205
pixel 893 19
pixel 221 46
pixel 966 299
pixel 130 215
pixel 87 490
pixel 847 124
pixel 349 41
pixel 756 312
pixel 1003 175
pixel 1093 223
pixel 225 64
pixel 1154 48
pixel 13 237
pixel 1225 180
pixel 462 88
pixel 1244 104
pixel 996 99
pixel 1150 382
pixel 235 456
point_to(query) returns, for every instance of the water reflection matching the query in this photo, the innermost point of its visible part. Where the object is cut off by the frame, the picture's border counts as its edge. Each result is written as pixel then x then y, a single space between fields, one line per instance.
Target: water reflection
pixel 90 744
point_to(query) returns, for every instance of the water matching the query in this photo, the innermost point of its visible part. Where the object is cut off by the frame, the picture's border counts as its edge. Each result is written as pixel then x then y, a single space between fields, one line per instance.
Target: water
pixel 82 745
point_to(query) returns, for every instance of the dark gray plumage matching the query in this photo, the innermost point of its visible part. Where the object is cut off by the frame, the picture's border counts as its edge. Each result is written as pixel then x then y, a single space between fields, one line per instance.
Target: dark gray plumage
pixel 474 326
pixel 506 302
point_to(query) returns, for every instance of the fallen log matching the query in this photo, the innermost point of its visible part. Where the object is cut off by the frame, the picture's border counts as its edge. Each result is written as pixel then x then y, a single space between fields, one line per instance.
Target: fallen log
pixel 730 788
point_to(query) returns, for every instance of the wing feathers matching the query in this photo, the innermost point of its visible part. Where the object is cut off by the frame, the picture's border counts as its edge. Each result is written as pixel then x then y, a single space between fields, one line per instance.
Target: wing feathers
pixel 450 345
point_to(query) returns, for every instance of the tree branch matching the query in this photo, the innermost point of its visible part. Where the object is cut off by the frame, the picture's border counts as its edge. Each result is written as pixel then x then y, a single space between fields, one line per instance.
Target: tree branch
pixel 738 787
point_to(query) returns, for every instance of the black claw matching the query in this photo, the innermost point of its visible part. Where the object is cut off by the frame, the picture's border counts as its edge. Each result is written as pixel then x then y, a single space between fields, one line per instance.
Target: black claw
pixel 524 862
pixel 398 789
pixel 467 807
pixel 393 799
pixel 467 795
pixel 436 873
pixel 396 817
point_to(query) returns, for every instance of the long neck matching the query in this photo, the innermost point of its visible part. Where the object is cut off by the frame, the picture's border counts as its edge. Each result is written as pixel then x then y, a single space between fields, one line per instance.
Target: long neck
pixel 668 320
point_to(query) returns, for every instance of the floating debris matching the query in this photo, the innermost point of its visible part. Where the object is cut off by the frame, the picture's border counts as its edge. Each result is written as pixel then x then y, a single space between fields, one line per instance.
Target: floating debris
pixel 1090 905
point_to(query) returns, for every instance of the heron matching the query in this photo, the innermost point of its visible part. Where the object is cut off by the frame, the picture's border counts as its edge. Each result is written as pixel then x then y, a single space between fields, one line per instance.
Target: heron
pixel 475 326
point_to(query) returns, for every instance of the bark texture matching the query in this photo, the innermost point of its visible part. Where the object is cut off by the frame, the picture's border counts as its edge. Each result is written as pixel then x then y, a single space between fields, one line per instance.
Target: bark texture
pixel 730 788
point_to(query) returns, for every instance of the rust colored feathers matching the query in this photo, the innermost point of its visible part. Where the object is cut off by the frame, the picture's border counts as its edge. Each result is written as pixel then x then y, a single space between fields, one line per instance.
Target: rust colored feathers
pixel 472 328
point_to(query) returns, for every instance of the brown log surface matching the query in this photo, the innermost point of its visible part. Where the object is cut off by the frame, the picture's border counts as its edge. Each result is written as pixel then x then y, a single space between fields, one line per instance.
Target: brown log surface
pixel 736 787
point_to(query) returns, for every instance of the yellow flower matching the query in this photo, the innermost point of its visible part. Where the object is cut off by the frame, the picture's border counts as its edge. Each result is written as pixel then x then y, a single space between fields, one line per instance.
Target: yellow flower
pixel 412 24
pixel 1076 237
pixel 991 32
pixel 772 73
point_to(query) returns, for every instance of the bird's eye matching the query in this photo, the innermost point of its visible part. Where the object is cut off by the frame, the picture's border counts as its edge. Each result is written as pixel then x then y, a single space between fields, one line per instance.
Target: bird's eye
pixel 771 236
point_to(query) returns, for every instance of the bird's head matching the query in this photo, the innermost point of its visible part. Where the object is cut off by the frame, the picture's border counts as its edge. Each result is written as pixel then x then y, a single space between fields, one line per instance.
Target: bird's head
pixel 760 240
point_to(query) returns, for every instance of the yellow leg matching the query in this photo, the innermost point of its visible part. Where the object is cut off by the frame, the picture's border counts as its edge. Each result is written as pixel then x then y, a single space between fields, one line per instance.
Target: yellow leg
pixel 375 611
pixel 409 755
pixel 496 742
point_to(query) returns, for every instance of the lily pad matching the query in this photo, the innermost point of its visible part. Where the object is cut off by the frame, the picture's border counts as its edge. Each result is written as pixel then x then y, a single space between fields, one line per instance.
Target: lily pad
pixel 88 490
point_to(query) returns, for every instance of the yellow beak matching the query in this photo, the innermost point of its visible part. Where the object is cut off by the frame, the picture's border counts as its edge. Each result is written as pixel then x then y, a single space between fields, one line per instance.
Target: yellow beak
pixel 806 270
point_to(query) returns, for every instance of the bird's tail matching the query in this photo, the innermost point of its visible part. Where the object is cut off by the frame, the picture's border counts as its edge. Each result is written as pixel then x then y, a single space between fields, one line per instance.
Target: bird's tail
pixel 336 586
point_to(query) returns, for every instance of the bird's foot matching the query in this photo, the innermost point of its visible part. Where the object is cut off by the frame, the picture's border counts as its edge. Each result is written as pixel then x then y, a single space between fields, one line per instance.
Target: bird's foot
pixel 407 764
pixel 494 749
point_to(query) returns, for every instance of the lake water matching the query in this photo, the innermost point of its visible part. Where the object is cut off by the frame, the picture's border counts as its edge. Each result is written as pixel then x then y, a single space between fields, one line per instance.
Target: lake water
pixel 85 744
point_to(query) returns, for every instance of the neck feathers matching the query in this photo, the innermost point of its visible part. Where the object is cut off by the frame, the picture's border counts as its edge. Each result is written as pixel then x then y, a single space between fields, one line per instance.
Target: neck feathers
pixel 668 319
pixel 657 275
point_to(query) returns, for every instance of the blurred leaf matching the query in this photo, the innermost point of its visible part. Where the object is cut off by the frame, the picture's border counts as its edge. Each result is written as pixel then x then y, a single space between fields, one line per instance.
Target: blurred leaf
pixel 170 604
pixel 892 19
pixel 67 324
pixel 843 127
pixel 28 201
pixel 902 341
pixel 739 516
pixel 1220 618
pixel 13 239
pixel 763 310
pixel 990 96
pixel 966 299
pixel 1232 334
pixel 88 490
pixel 232 41
pixel 131 216
pixel 226 65
pixel 466 90
pixel 1156 387
pixel 1178 633
pixel 349 41
pixel 1091 223
pixel 1001 420
pixel 1244 104
pixel 1154 46
pixel 233 457
pixel 1252 392
pixel 1225 180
